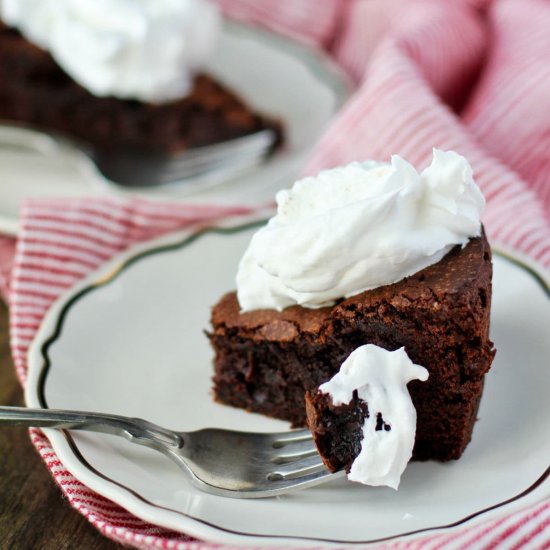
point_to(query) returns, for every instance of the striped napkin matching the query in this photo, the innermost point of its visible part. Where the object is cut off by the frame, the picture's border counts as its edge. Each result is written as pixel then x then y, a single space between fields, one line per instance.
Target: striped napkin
pixel 468 75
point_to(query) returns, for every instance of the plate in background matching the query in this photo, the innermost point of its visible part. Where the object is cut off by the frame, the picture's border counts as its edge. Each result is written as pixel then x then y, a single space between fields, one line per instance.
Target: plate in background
pixel 273 74
pixel 129 340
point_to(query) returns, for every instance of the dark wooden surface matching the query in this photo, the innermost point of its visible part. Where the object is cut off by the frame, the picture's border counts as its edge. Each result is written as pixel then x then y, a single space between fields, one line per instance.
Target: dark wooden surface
pixel 33 512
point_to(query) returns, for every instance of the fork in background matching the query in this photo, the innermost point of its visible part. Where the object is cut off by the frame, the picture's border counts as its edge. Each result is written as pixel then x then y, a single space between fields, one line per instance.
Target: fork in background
pixel 211 164
pixel 226 159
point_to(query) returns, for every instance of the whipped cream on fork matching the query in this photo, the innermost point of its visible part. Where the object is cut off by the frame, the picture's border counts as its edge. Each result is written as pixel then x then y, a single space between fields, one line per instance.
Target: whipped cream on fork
pixel 380 378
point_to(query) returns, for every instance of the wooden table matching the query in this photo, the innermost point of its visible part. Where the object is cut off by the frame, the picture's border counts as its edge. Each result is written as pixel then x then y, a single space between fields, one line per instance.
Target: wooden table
pixel 33 512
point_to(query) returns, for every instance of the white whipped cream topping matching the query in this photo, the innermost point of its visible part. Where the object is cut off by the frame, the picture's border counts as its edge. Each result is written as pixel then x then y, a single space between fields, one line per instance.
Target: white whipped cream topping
pixel 358 227
pixel 380 378
pixel 131 49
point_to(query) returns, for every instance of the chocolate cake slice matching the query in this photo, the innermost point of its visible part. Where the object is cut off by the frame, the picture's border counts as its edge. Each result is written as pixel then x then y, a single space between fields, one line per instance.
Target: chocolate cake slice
pixel 337 429
pixel 266 360
pixel 35 91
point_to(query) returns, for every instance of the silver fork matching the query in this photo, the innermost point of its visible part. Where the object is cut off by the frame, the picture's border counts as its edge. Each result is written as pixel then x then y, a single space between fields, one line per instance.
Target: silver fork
pixel 227 159
pixel 210 163
pixel 222 462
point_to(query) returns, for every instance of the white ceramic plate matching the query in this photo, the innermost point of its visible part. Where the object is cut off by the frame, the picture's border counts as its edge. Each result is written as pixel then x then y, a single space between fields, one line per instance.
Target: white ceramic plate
pixel 129 340
pixel 275 75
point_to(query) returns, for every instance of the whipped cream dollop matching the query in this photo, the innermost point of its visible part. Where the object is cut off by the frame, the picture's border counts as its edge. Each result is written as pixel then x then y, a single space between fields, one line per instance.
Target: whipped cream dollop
pixel 357 227
pixel 380 378
pixel 131 49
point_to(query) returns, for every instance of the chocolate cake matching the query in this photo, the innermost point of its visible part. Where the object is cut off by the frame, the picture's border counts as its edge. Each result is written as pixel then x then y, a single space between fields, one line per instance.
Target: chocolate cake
pixel 35 91
pixel 337 429
pixel 266 360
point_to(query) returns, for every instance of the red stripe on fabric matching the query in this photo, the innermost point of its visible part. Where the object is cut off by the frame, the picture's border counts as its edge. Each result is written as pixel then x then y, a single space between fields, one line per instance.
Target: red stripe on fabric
pixel 31 266
pixel 541 247
pixel 18 326
pixel 44 278
pixel 137 206
pixel 67 247
pixel 123 227
pixel 75 233
pixel 35 316
pixel 18 302
pixel 486 125
pixel 506 533
pixel 476 539
pixel 531 239
pixel 62 259
pixel 119 229
pixel 537 530
pixel 294 18
pixel 40 294
pixel 125 217
pixel 87 497
pixel 20 348
pixel 117 515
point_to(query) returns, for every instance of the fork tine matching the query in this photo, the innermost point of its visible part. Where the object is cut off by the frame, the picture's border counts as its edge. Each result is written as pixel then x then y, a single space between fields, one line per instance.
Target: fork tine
pixel 284 438
pixel 298 468
pixel 279 486
pixel 295 451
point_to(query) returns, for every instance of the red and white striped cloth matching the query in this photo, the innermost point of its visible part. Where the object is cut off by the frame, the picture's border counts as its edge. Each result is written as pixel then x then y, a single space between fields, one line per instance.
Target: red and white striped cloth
pixel 468 75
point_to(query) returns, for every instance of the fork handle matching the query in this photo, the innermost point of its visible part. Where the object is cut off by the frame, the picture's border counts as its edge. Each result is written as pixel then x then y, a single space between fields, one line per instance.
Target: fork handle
pixel 134 429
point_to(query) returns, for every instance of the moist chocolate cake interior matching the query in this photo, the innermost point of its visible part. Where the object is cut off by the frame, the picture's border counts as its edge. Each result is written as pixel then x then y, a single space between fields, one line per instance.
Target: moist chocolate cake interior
pixel 337 429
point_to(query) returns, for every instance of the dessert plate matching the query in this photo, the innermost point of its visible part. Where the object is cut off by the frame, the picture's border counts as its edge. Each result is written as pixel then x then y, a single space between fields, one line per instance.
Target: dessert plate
pixel 275 75
pixel 130 340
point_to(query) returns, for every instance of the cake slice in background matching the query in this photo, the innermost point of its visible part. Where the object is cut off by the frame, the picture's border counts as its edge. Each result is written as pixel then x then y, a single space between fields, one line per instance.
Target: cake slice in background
pixel 130 80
